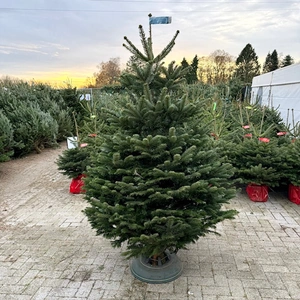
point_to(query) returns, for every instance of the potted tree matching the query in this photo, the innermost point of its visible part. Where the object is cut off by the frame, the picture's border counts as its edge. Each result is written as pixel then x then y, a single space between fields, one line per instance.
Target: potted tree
pixel 257 162
pixel 157 183
pixel 73 163
pixel 290 153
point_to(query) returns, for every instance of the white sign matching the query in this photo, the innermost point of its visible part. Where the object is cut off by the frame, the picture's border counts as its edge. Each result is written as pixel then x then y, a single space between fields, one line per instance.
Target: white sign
pixel 86 97
pixel 72 142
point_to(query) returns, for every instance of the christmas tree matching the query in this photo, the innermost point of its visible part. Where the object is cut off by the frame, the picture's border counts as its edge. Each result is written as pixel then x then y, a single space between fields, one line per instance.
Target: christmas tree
pixel 158 182
pixel 73 162
pixel 258 161
pixel 6 138
pixel 290 155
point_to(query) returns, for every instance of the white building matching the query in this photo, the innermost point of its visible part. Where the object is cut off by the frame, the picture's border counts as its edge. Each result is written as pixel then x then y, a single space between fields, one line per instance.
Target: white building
pixel 279 89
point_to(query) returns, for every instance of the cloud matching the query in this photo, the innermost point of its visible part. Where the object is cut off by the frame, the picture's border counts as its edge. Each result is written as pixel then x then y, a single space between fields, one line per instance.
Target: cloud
pixel 11 48
pixel 76 35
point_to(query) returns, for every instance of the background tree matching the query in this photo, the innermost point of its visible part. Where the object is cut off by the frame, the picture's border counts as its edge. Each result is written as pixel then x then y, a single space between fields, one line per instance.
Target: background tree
pixel 191 76
pixel 89 82
pixel 217 68
pixel 267 63
pixel 133 60
pixel 274 60
pixel 271 62
pixel 194 69
pixel 247 65
pixel 34 115
pixel 286 61
pixel 222 66
pixel 186 65
pixel 6 138
pixel 109 72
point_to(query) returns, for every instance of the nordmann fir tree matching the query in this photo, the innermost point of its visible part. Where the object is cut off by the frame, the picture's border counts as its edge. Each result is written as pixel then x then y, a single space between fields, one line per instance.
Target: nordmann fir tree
pixel 158 182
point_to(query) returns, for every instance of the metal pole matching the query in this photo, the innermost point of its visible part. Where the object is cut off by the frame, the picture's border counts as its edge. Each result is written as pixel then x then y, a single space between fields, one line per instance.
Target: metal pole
pixel 150 31
pixel 92 97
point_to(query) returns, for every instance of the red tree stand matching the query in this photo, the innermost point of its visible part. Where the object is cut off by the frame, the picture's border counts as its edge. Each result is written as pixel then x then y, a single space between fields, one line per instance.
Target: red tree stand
pixel 294 194
pixel 76 186
pixel 257 193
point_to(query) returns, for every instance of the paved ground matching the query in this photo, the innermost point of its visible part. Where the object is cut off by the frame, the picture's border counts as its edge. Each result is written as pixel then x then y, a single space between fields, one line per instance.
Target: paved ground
pixel 49 251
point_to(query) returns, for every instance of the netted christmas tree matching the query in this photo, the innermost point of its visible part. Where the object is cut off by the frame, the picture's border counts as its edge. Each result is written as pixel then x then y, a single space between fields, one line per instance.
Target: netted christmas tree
pixel 158 182
pixel 6 138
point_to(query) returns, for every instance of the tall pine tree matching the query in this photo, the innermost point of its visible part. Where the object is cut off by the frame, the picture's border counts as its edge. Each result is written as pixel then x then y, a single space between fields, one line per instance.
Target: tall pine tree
pixel 271 62
pixel 158 183
pixel 191 75
pixel 186 65
pixel 287 61
pixel 274 60
pixel 194 65
pixel 267 63
pixel 247 65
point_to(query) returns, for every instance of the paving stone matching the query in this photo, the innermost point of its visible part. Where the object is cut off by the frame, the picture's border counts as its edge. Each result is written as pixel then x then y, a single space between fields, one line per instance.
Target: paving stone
pixel 85 289
pixel 255 283
pixel 215 290
pixel 62 292
pixel 274 294
pixel 50 252
pixel 252 293
pixel 107 285
pixel 275 269
pixel 42 293
pixel 236 288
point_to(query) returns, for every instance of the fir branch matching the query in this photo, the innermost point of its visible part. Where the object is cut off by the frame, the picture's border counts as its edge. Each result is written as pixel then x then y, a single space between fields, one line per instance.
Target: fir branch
pixel 167 49
pixel 135 51
pixel 147 45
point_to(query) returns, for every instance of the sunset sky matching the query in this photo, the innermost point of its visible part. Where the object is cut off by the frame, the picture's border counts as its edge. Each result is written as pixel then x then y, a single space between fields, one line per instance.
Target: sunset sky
pixel 59 41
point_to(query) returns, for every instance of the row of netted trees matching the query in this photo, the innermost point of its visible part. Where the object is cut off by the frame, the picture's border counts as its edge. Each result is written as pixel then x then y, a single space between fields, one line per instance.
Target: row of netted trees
pixel 34 116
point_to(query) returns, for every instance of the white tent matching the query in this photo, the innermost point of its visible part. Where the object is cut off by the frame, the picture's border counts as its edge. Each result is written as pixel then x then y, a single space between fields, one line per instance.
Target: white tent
pixel 279 89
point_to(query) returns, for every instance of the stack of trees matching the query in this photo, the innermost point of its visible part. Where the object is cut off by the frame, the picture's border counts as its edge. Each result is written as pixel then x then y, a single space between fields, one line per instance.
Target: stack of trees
pixel 33 116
